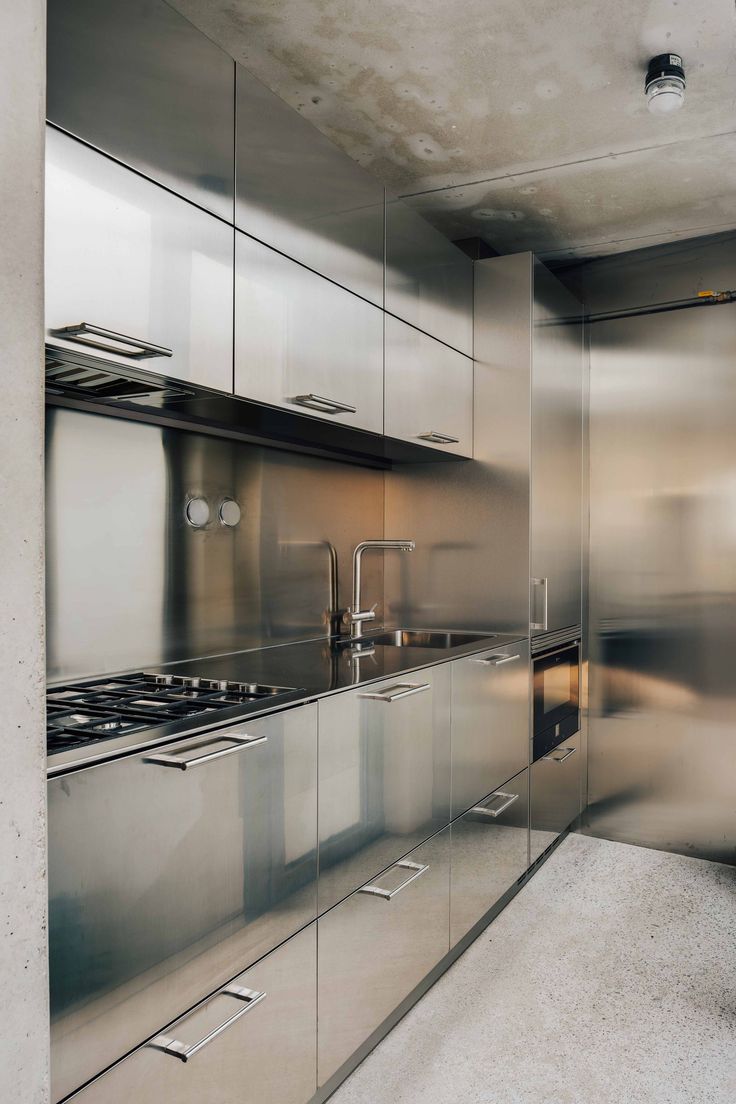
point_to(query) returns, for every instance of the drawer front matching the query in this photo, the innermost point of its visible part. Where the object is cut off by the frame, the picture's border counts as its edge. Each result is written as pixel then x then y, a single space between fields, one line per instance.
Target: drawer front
pixel 265 1056
pixel 429 391
pixel 304 343
pixel 299 193
pixel 429 281
pixel 554 794
pixel 490 851
pixel 138 81
pixel 125 255
pixel 384 776
pixel 490 722
pixel 374 949
pixel 187 876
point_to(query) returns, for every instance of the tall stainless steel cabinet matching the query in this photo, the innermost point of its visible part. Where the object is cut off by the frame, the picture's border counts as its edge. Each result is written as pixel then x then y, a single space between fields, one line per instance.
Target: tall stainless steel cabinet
pixel 134 274
pixel 301 194
pixel 138 81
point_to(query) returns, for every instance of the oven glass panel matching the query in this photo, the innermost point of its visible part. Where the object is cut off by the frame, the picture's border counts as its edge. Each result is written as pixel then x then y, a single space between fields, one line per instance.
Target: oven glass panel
pixel 556 687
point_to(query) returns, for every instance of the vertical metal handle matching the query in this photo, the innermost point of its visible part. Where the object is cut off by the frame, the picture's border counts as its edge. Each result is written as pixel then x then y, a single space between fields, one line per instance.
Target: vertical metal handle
pixel 542 625
pixel 417 870
pixel 182 1051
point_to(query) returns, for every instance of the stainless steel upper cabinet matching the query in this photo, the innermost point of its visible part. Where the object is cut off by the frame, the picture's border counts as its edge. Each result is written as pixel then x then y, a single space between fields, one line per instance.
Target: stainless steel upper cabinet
pixel 138 81
pixel 148 274
pixel 429 390
pixel 304 343
pixel 429 281
pixel 301 194
pixel 384 776
pixel 557 455
pixel 490 721
pixel 169 873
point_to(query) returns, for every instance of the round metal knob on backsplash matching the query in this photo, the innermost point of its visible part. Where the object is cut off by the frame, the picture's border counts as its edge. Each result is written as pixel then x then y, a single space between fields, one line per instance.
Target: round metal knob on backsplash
pixel 197 512
pixel 229 512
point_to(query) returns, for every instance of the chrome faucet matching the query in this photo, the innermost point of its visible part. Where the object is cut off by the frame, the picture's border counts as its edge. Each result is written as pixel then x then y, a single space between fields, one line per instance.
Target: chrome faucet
pixel 356 616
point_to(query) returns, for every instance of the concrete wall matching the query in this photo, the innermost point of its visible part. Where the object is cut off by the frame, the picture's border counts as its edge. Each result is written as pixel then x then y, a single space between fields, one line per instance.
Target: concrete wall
pixel 23 970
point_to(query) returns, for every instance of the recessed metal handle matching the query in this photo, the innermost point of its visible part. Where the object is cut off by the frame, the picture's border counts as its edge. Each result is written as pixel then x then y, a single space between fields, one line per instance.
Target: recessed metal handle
pixel 400 690
pixel 240 743
pixel 182 1051
pixel 84 333
pixel 497 660
pixel 386 894
pixel 439 438
pixel 553 757
pixel 325 406
pixel 485 810
pixel 542 625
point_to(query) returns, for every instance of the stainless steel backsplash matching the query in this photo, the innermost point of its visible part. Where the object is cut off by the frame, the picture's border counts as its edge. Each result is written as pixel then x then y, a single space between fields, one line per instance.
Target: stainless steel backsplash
pixel 131 584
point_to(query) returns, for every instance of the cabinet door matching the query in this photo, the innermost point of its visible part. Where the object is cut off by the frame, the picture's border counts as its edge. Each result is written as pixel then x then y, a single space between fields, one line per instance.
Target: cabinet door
pixel 257 1036
pixel 125 255
pixel 377 946
pixel 299 193
pixel 490 721
pixel 139 82
pixel 304 343
pixel 188 875
pixel 429 391
pixel 490 851
pixel 429 281
pixel 557 455
pixel 555 793
pixel 384 776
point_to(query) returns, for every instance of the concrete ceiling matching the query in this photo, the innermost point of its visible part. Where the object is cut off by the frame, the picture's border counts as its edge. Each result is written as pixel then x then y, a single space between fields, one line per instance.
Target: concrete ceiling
pixel 522 121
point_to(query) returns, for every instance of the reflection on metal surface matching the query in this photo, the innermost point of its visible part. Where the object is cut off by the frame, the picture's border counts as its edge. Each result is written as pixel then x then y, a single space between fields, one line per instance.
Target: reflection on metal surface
pixel 662 750
pixel 131 582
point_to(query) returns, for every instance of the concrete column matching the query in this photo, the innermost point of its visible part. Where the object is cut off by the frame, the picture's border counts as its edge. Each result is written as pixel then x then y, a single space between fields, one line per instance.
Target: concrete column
pixel 23 954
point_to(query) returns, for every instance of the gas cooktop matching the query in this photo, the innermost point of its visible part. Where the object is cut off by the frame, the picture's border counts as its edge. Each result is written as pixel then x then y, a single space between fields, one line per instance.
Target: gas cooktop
pixel 81 713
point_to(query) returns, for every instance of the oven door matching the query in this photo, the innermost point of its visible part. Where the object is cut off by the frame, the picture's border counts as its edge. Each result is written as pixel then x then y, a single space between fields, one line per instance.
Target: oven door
pixel 556 697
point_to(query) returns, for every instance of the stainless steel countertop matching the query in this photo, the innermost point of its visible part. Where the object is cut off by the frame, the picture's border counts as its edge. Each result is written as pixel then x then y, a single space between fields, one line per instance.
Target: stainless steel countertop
pixel 316 668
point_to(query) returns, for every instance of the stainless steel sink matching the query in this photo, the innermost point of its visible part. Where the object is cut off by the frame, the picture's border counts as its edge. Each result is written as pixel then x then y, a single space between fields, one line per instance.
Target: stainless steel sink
pixel 422 638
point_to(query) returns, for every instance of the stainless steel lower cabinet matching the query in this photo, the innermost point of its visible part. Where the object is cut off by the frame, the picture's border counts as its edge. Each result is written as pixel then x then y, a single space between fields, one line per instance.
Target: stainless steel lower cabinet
pixel 555 793
pixel 377 945
pixel 253 1042
pixel 490 849
pixel 164 881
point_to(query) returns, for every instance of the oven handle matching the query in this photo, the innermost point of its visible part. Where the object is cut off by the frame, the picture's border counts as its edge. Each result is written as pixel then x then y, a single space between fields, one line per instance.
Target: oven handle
pixel 542 625
pixel 177 1049
pixel 240 743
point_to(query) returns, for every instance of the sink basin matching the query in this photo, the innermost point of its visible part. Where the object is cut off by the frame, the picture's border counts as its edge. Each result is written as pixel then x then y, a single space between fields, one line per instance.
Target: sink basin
pixel 422 638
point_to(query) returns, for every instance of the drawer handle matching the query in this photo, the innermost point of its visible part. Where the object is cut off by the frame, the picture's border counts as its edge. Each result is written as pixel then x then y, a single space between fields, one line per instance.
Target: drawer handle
pixel 400 690
pixel 85 334
pixel 240 743
pixel 417 869
pixel 554 758
pixel 177 1049
pixel 485 809
pixel 325 406
pixel 497 660
pixel 439 438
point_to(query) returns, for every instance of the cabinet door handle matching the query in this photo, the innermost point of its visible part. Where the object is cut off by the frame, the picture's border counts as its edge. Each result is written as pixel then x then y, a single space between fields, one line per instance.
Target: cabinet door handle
pixel 542 625
pixel 497 660
pixel 325 406
pixel 439 438
pixel 400 690
pixel 417 869
pixel 240 743
pixel 182 1051
pixel 554 758
pixel 110 342
pixel 484 807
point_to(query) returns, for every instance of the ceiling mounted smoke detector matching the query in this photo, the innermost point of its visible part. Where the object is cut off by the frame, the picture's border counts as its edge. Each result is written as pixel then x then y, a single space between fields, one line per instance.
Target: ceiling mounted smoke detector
pixel 665 84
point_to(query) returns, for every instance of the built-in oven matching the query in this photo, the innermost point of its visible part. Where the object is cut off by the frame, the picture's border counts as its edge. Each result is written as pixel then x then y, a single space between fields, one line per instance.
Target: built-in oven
pixel 556 693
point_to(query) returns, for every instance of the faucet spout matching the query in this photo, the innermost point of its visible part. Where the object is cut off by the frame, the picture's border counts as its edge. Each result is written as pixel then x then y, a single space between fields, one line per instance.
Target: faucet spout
pixel 357 614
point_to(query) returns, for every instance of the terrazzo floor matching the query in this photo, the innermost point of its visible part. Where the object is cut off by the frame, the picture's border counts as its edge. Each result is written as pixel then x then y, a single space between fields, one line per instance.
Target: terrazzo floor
pixel 610 979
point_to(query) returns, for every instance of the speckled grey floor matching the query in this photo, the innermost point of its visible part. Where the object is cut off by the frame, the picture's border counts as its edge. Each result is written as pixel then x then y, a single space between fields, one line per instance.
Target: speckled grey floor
pixel 608 980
